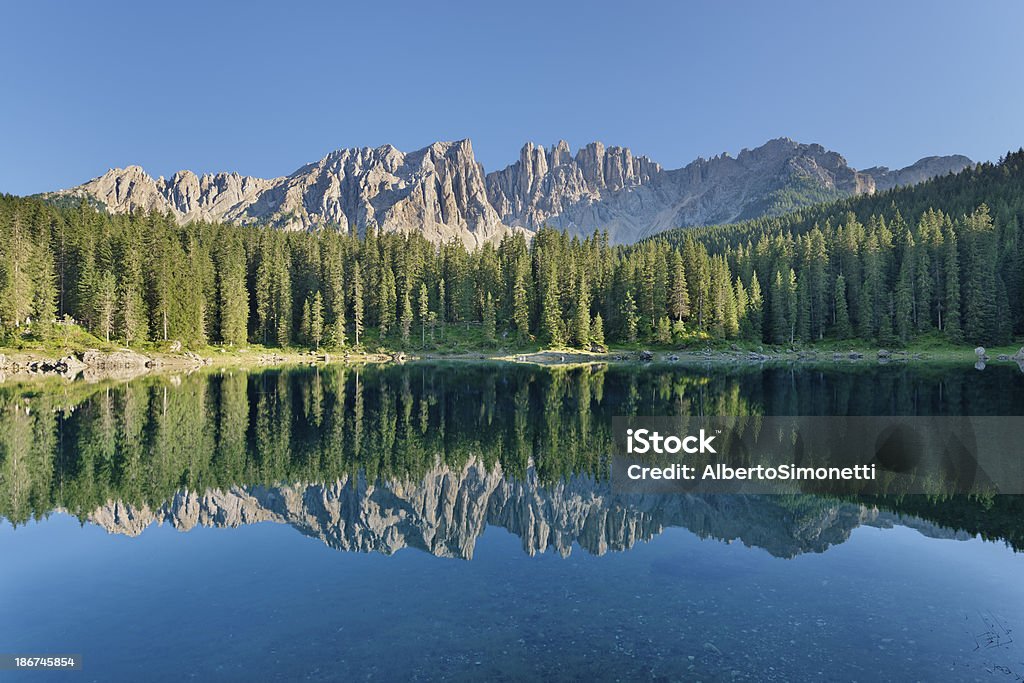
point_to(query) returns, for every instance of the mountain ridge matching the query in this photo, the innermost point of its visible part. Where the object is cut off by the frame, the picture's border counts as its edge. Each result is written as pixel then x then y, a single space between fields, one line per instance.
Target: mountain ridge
pixel 447 511
pixel 443 192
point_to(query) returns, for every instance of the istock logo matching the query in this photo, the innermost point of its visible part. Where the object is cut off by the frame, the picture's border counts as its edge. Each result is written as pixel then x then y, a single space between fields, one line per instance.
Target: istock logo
pixel 646 441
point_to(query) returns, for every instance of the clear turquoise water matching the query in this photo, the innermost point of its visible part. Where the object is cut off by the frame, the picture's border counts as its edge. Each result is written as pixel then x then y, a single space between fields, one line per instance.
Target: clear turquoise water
pixel 713 590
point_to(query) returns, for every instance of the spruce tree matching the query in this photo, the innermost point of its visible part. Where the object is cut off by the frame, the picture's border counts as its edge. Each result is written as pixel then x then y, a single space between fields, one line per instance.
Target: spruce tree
pixel 489 324
pixel 581 319
pixel 905 295
pixel 679 295
pixel 316 320
pixel 424 313
pixel 406 322
pixel 232 294
pixel 105 305
pixel 779 322
pixel 388 301
pixel 520 308
pixel 306 336
pixel 334 294
pixel 357 302
pixel 842 316
pixel 663 331
pixel 755 314
pixel 952 294
pixel 630 318
pixel 551 313
pixel 597 330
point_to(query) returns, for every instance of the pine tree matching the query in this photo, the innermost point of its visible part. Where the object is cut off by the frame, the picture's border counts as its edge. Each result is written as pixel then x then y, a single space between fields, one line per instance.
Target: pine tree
pixel 742 303
pixel 679 295
pixel 44 291
pixel 630 319
pixel 442 305
pixel 551 313
pixel 424 313
pixel 755 311
pixel 489 323
pixel 263 295
pixel 386 309
pixel 923 287
pixel 980 309
pixel 952 293
pixel 282 296
pixel 357 302
pixel 581 319
pixel 842 317
pixel 905 295
pixel 16 283
pixel 105 305
pixel 804 309
pixel 663 331
pixel 307 322
pixel 316 320
pixel 817 291
pixel 406 322
pixel 597 330
pixel 334 294
pixel 232 295
pixel 779 322
pixel 520 308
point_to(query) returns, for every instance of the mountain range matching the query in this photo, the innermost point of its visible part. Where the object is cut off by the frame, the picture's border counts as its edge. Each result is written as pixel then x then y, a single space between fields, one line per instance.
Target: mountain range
pixel 447 511
pixel 442 191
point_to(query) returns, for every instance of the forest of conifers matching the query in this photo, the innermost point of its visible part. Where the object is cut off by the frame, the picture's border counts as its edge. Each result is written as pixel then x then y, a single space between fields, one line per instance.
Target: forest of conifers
pixel 943 259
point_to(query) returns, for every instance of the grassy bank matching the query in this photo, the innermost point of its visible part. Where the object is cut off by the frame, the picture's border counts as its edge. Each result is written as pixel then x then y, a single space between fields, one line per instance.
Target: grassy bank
pixel 466 342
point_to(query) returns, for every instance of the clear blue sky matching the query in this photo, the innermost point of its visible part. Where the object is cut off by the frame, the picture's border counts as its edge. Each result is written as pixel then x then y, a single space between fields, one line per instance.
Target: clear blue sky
pixel 262 88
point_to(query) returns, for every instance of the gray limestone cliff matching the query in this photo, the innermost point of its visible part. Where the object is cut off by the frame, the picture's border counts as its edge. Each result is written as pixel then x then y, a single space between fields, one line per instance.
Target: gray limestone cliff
pixel 918 172
pixel 442 192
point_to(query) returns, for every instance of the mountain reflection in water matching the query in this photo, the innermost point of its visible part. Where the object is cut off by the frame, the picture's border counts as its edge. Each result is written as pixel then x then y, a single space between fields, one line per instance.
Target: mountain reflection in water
pixel 428 455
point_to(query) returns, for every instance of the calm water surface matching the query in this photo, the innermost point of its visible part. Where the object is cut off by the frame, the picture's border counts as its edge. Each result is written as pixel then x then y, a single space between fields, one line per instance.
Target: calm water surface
pixel 454 522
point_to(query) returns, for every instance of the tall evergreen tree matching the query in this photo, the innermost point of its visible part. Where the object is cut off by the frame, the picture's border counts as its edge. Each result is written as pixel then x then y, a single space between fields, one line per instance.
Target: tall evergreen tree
pixel 316 320
pixel 489 319
pixel 357 302
pixel 842 316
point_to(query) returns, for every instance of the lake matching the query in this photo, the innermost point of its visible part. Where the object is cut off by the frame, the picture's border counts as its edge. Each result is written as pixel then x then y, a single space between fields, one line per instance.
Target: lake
pixel 455 521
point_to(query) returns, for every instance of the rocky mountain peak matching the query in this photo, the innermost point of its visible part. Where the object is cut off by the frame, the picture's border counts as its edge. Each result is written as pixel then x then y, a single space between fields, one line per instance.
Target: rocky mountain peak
pixel 442 191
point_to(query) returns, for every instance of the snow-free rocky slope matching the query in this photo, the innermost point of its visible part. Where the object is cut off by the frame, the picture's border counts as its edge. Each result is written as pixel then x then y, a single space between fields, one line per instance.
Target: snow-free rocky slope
pixel 442 192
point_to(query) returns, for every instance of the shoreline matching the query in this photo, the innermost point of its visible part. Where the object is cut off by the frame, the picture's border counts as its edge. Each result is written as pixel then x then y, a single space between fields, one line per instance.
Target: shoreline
pixel 92 364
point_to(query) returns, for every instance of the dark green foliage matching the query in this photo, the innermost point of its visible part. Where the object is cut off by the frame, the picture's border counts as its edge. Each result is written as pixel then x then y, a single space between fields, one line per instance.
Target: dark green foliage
pixel 954 266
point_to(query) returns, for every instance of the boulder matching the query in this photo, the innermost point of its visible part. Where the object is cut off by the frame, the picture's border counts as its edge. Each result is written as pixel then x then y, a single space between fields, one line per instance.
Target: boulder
pixel 1017 356
pixel 115 359
pixel 646 356
pixel 601 348
pixel 884 353
pixel 71 364
pixel 980 352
